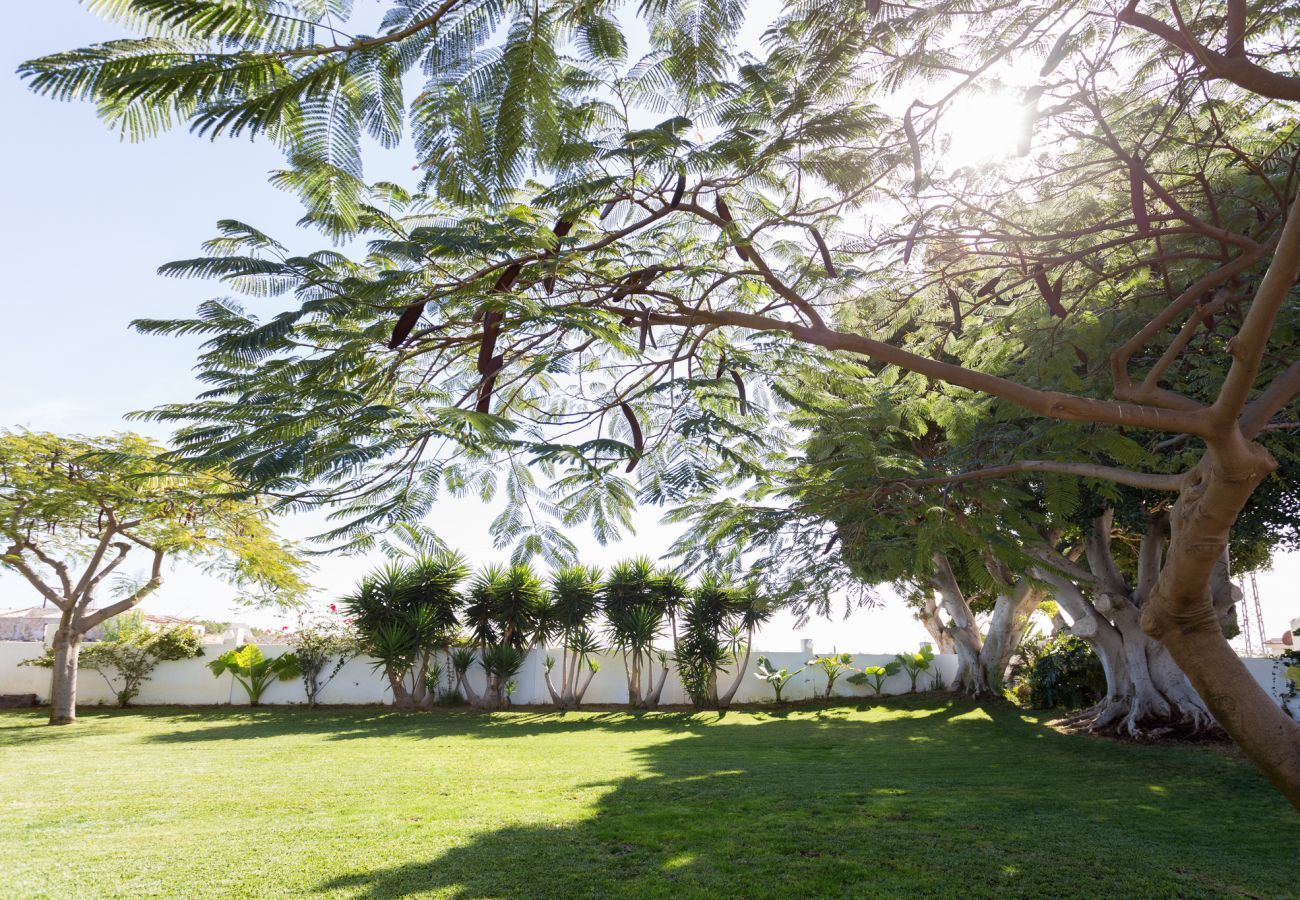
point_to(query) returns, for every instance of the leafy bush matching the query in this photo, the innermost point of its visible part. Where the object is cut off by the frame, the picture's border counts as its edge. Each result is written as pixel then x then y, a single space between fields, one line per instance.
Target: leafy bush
pixel 833 665
pixel 318 641
pixel 131 651
pixel 1060 672
pixel 253 671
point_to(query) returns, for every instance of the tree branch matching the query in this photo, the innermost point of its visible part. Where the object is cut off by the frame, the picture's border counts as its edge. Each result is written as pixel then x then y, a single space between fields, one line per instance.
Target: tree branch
pixel 1144 480
pixel 1281 392
pixel 88 622
pixel 1235 68
pixel 1248 345
pixel 13 556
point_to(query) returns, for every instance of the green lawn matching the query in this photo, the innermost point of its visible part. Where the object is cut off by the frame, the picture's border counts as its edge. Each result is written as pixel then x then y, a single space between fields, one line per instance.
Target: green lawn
pixel 920 798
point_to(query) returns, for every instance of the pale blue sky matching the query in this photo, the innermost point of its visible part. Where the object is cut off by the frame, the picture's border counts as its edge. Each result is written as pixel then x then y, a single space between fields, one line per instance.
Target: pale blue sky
pixel 87 221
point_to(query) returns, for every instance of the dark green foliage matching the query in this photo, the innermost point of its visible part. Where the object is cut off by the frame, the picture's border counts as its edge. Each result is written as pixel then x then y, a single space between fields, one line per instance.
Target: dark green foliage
pixel 405 613
pixel 1060 672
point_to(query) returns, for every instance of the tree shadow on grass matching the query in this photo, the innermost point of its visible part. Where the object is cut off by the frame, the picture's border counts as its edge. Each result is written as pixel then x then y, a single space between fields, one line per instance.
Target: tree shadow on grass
pixel 963 801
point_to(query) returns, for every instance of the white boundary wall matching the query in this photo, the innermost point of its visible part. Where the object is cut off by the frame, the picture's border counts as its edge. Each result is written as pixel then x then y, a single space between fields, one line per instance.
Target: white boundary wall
pixel 190 682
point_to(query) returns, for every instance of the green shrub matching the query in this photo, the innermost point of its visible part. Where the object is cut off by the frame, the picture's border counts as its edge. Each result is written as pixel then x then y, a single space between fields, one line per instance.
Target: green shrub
pixel 916 663
pixel 875 676
pixel 129 653
pixel 253 671
pixel 1060 672
pixel 833 665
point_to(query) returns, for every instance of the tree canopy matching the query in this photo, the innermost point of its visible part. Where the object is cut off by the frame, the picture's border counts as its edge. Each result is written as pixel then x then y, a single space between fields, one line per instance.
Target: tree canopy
pixel 609 268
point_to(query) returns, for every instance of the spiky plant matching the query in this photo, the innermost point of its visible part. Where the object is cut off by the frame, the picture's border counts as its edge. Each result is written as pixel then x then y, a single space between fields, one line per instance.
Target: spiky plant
pixel 575 603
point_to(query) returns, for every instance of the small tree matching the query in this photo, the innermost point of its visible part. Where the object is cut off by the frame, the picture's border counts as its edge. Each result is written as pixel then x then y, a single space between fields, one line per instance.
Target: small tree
pixel 777 678
pixel 319 641
pixel 875 676
pixel 641 604
pixel 506 607
pixel 78 503
pixel 916 663
pixel 253 671
pixel 718 625
pixel 129 653
pixel 833 665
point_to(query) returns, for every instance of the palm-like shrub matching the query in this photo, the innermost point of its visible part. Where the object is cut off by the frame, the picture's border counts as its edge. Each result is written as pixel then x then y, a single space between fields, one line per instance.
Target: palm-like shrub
pixel 505 610
pixel 777 678
pixel 916 663
pixel 833 666
pixel 406 614
pixel 568 617
pixel 875 676
pixel 640 605
pixel 718 624
pixel 253 671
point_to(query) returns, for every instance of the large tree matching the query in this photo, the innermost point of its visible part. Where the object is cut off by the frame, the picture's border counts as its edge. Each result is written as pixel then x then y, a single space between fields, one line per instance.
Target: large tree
pixel 73 509
pixel 637 293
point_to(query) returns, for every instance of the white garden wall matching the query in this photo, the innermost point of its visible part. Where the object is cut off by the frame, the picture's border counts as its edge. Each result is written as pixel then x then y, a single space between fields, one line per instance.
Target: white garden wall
pixel 190 682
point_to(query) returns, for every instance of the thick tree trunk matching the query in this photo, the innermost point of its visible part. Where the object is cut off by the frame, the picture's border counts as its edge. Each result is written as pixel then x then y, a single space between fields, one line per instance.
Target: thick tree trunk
pixel 1006 630
pixel 557 698
pixel 1147 695
pixel 652 700
pixel 967 641
pixel 929 616
pixel 1181 612
pixel 63 679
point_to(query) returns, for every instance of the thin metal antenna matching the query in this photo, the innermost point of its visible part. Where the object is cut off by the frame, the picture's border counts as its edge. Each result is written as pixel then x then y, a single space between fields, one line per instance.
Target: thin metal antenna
pixel 1252 618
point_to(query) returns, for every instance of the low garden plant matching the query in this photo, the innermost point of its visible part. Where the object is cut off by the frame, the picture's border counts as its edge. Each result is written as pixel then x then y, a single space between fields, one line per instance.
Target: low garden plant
pixel 777 678
pixel 253 671
pixel 876 676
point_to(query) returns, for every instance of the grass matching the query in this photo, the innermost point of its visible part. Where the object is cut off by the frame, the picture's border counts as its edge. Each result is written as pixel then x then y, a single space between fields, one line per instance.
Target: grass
pixel 920 797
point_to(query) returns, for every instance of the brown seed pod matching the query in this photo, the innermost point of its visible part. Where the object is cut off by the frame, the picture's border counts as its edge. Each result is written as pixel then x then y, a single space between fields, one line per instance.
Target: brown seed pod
pixel 487 346
pixel 507 279
pixel 484 403
pixel 910 243
pixel 740 390
pixel 609 208
pixel 918 178
pixel 724 213
pixel 679 190
pixel 825 251
pixel 1051 294
pixel 989 286
pixel 638 442
pixel 405 322
pixel 1139 201
pixel 956 310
